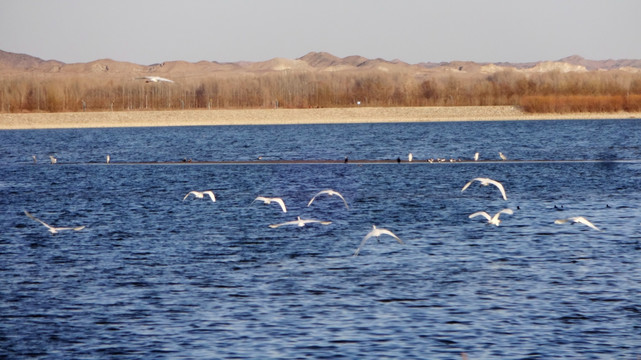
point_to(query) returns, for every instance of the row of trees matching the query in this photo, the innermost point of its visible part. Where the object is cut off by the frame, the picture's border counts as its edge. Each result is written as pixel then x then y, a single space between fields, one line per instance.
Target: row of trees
pixel 544 92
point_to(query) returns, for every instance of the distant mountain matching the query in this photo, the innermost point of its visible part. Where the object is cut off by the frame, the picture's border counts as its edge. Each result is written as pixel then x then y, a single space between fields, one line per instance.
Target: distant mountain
pixel 13 63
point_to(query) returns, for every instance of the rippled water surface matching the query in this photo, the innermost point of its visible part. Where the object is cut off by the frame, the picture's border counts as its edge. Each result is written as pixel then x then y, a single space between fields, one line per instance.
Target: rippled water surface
pixel 156 276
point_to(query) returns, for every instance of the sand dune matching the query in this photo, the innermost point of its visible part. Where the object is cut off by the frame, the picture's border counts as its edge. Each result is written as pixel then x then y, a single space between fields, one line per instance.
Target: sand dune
pixel 280 116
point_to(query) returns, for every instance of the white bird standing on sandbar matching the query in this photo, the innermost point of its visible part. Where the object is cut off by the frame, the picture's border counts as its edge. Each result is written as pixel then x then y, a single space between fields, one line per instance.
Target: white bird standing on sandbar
pixel 52 229
pixel 486 182
pixel 494 220
pixel 410 157
pixel 376 232
pixel 577 219
pixel 201 194
pixel 269 200
pixel 300 222
pixel 154 79
pixel 476 157
pixel 108 158
pixel 330 193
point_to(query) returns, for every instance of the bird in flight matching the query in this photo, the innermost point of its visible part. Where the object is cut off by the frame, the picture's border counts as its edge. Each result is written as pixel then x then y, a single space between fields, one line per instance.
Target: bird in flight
pixel 376 232
pixel 269 200
pixel 201 194
pixel 577 219
pixel 494 220
pixel 300 222
pixel 486 182
pixel 330 193
pixel 52 229
pixel 154 79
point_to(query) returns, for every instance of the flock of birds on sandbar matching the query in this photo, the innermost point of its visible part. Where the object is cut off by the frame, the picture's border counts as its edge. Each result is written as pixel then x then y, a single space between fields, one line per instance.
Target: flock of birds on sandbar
pixel 375 232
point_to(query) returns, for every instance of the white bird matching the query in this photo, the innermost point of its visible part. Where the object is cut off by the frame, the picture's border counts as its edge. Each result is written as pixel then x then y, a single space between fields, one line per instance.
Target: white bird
pixel 201 194
pixel 486 182
pixel 269 200
pixel 53 229
pixel 53 159
pixel 577 219
pixel 154 79
pixel 476 157
pixel 376 232
pixel 494 220
pixel 300 222
pixel 34 159
pixel 108 158
pixel 503 157
pixel 410 157
pixel 330 193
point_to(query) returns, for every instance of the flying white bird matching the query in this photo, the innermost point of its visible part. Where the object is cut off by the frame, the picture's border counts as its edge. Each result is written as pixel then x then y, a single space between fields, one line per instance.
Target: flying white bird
pixel 52 229
pixel 53 159
pixel 376 232
pixel 201 194
pixel 494 220
pixel 476 157
pixel 577 219
pixel 154 79
pixel 486 182
pixel 330 193
pixel 503 157
pixel 269 200
pixel 300 222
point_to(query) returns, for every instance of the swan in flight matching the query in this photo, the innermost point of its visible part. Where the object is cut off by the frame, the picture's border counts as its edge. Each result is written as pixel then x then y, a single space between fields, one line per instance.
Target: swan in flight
pixel 330 193
pixel 52 229
pixel 201 194
pixel 376 232
pixel 494 220
pixel 577 219
pixel 269 200
pixel 300 222
pixel 154 79
pixel 486 182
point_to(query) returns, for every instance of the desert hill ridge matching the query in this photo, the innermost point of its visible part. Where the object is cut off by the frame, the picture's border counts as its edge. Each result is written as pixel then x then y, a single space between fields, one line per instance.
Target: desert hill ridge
pixel 14 64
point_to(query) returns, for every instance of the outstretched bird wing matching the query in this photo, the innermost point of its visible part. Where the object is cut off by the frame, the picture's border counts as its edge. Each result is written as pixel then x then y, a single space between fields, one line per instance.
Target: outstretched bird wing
pixel 584 221
pixel 481 213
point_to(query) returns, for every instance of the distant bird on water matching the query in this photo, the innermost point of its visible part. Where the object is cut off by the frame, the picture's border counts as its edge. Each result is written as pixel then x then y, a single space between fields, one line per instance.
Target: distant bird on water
pixel 494 220
pixel 410 157
pixel 503 157
pixel 53 159
pixel 154 79
pixel 330 193
pixel 201 194
pixel 108 158
pixel 376 232
pixel 35 161
pixel 486 182
pixel 577 219
pixel 52 229
pixel 269 200
pixel 300 222
pixel 476 157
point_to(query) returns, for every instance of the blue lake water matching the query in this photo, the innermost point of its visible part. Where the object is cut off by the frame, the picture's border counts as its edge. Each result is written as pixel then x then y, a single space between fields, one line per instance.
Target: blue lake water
pixel 156 276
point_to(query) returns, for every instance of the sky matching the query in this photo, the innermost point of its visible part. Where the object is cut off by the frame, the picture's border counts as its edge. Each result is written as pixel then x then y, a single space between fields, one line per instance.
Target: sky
pixel 147 32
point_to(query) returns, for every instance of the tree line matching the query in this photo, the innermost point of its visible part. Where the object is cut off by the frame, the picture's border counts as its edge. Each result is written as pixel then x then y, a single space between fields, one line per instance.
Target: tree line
pixel 601 91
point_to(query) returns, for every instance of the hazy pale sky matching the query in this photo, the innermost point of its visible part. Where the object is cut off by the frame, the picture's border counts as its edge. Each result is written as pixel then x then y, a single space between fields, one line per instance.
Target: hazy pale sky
pixel 147 32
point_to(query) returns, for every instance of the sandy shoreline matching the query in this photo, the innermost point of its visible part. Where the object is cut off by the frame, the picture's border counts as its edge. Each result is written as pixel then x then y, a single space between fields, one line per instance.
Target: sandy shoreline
pixel 281 116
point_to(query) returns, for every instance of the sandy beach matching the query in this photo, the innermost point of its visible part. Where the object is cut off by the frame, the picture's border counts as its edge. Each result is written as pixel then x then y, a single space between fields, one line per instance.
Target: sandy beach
pixel 281 116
